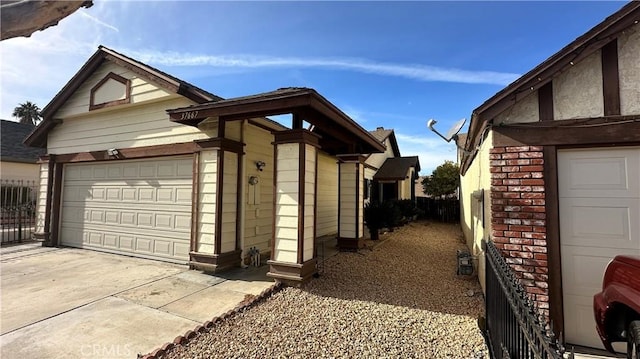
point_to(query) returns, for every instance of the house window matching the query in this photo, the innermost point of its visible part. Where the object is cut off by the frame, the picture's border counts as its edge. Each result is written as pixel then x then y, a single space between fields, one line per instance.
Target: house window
pixel 112 90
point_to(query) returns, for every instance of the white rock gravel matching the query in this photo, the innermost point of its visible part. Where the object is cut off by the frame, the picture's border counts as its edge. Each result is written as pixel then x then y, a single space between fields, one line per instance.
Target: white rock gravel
pixel 401 299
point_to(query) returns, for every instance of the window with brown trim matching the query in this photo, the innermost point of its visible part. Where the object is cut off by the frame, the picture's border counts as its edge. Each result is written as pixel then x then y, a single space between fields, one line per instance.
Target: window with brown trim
pixel 112 90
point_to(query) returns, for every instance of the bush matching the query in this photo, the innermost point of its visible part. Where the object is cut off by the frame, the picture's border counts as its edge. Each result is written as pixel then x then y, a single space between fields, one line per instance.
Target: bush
pixel 407 208
pixel 374 217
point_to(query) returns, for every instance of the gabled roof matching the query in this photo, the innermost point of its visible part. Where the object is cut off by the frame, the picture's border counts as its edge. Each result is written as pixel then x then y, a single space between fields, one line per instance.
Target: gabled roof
pixel 11 147
pixel 333 125
pixel 382 134
pixel 396 168
pixel 580 48
pixel 170 83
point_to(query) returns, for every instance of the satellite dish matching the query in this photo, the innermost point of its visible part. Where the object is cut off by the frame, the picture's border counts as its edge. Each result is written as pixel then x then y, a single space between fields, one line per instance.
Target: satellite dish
pixel 452 134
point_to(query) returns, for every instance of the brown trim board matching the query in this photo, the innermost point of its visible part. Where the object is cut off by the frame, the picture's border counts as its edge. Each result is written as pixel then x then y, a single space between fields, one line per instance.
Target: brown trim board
pixel 56 204
pixel 545 102
pixel 617 129
pixel 195 202
pixel 214 262
pixel 110 76
pixel 610 78
pixel 550 170
pixel 219 191
pixel 302 154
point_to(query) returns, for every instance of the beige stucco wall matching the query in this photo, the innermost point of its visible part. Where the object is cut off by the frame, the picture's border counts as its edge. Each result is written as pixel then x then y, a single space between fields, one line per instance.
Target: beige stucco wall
pixel 405 185
pixel 14 171
pixel 629 69
pixel 477 177
pixel 577 92
pixel 258 198
pixel 526 110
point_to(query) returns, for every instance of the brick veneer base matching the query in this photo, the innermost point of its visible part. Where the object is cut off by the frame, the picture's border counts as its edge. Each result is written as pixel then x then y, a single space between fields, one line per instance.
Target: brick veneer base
pixel 207 326
pixel 518 216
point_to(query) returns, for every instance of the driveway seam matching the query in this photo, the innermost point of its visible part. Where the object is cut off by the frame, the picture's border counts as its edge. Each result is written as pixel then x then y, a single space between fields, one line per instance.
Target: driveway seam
pixel 86 304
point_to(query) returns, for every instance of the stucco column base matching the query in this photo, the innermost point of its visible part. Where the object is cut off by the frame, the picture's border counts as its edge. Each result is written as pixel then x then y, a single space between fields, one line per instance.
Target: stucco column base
pixel 214 263
pixel 292 274
pixel 350 244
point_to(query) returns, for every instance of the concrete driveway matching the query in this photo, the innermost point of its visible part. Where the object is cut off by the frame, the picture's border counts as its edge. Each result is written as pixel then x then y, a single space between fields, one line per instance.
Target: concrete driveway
pixel 73 303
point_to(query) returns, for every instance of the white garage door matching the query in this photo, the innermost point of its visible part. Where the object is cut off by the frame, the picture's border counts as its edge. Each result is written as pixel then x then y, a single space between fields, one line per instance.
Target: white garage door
pixel 599 192
pixel 140 208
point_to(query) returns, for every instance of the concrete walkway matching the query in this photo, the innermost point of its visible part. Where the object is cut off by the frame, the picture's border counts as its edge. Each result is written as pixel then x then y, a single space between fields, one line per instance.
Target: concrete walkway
pixel 73 303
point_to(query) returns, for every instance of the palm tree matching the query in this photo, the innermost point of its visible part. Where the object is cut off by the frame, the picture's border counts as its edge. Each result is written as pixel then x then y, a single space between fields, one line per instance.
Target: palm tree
pixel 28 113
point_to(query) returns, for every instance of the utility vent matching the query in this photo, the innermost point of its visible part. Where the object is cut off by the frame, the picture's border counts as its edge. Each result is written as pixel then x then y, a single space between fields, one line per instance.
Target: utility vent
pixel 465 263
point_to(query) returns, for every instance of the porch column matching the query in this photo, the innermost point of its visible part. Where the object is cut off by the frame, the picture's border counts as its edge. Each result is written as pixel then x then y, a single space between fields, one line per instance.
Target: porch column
pixel 215 235
pixel 351 203
pixel 293 258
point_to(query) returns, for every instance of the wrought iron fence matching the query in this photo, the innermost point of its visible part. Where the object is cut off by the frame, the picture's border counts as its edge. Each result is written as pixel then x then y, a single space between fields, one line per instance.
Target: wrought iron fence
pixel 17 210
pixel 443 210
pixel 514 326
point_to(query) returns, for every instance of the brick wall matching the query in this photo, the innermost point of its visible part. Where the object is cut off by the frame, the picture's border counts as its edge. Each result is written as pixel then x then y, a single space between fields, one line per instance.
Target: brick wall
pixel 518 216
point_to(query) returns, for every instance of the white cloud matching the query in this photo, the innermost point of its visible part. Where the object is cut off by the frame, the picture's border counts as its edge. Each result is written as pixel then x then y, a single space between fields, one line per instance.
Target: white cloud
pixel 98 21
pixel 412 71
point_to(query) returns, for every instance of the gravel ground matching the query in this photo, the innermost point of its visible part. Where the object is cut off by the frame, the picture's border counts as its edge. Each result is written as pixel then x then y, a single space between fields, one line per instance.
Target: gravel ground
pixel 401 299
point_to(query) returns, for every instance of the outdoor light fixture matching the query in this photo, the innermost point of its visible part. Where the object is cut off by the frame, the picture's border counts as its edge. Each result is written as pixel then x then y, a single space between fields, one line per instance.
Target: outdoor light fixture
pixel 112 152
pixel 260 165
pixel 253 180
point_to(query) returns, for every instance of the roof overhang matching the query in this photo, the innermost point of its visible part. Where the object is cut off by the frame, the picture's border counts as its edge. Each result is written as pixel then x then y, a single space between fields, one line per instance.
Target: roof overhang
pixel 542 74
pixel 334 126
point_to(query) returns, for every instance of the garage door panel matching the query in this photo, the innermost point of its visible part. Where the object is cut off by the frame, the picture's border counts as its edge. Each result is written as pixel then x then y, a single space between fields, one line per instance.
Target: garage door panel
pixel 579 322
pixel 140 208
pixel 599 173
pixel 583 269
pixel 601 222
pixel 599 203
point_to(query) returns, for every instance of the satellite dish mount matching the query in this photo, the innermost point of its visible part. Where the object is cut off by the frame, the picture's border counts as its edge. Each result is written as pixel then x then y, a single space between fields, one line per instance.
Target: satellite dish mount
pixel 452 134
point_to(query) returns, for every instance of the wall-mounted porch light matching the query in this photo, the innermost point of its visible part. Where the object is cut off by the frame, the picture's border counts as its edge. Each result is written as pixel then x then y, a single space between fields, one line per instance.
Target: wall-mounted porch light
pixel 260 165
pixel 112 152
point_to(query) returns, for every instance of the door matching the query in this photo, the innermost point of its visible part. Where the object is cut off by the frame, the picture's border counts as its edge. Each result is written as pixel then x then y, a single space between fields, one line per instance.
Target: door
pixel 140 208
pixel 599 198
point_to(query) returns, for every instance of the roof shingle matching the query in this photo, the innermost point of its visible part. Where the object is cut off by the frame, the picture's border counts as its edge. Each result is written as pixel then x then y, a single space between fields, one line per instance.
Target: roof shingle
pixel 11 147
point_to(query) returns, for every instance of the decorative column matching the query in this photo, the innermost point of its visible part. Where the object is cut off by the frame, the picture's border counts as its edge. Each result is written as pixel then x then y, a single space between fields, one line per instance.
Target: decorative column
pixel 215 238
pixel 351 202
pixel 293 258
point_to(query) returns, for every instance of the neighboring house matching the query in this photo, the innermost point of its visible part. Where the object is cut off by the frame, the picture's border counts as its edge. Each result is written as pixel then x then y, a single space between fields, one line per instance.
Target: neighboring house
pixel 552 172
pixel 419 188
pixel 389 176
pixel 18 162
pixel 141 163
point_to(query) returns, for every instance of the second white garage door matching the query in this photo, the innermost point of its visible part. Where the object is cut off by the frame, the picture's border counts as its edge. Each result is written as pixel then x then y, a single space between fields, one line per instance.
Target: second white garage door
pixel 140 208
pixel 599 192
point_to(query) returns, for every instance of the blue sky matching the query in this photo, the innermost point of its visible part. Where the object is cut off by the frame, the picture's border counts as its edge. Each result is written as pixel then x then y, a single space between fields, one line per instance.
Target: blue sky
pixel 391 64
